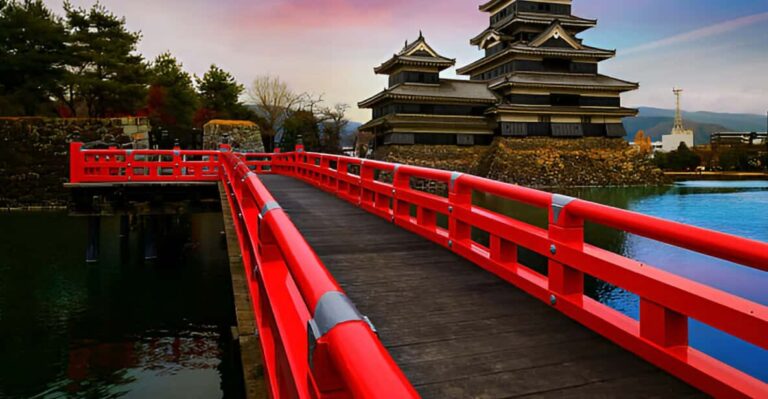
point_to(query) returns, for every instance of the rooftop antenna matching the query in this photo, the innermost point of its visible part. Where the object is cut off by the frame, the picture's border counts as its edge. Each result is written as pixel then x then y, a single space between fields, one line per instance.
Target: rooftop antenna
pixel 678 127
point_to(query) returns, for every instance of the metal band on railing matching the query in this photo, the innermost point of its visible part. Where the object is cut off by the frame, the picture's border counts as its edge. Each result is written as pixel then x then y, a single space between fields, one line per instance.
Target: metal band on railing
pixel 454 176
pixel 559 202
pixel 332 309
pixel 269 206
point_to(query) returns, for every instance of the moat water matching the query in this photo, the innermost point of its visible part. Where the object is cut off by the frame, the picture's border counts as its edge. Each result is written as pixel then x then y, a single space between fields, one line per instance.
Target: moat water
pixel 125 327
pixel 122 327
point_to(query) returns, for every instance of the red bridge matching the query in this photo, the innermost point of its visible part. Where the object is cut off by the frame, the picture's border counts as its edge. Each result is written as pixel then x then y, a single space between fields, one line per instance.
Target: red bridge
pixel 453 317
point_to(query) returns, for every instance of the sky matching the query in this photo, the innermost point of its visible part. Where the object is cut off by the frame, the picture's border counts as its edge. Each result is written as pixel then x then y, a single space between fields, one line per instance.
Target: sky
pixel 716 50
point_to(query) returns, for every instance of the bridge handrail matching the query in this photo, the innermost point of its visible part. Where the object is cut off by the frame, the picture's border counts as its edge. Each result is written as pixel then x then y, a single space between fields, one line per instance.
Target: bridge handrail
pixel 667 300
pixel 342 353
pixel 112 164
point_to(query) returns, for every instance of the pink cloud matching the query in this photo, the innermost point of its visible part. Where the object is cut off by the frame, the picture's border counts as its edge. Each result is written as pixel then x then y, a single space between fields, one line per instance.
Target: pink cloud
pixel 350 14
pixel 318 14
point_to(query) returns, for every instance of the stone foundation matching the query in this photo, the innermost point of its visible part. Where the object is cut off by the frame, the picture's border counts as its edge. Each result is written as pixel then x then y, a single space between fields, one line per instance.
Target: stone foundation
pixel 538 162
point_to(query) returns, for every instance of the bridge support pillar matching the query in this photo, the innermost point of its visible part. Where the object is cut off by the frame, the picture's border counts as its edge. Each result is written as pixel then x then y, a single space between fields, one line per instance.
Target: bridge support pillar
pixel 94 238
pixel 150 238
pixel 125 226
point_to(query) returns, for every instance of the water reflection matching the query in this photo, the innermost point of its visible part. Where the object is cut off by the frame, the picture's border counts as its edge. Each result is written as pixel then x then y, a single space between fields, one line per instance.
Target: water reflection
pixel 122 327
pixel 731 207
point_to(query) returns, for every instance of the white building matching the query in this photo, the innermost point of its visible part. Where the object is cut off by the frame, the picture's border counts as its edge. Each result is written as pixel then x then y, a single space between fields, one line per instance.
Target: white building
pixel 679 134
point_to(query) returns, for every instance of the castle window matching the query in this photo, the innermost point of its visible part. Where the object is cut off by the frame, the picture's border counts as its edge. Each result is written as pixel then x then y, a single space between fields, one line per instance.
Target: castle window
pixel 564 100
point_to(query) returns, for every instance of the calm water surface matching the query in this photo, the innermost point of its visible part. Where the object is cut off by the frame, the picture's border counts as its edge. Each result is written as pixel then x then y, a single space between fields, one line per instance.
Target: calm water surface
pixel 122 327
pixel 737 208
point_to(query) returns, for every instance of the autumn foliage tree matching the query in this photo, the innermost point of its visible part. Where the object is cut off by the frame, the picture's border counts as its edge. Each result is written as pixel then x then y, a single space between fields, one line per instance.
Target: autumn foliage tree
pixel 643 142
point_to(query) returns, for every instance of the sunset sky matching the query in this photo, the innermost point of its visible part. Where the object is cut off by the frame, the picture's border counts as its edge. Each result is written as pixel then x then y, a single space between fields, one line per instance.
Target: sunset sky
pixel 717 50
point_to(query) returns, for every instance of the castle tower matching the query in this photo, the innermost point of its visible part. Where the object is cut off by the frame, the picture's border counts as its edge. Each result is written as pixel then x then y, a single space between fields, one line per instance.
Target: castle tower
pixel 536 78
pixel 547 77
pixel 419 107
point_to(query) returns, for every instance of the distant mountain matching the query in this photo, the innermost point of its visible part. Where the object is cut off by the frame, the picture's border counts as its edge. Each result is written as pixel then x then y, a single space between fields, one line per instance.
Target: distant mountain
pixel 657 122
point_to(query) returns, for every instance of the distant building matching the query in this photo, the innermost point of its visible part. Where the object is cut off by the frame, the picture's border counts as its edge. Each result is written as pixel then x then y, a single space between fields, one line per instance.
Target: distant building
pixel 679 134
pixel 738 139
pixel 536 79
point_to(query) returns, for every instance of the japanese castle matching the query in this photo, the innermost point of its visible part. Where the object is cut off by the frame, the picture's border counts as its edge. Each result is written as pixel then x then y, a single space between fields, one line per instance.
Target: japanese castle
pixel 537 78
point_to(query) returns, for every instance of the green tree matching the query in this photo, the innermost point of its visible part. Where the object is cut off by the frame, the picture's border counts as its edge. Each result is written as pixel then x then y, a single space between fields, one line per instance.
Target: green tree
pixel 220 95
pixel 172 98
pixel 681 159
pixel 32 51
pixel 300 123
pixel 105 74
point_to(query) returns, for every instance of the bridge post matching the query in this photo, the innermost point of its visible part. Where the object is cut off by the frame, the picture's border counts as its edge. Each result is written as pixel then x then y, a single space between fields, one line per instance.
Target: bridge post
pixel 75 162
pixel 177 160
pixel 662 326
pixel 401 210
pixel 367 197
pixel 459 195
pixel 94 238
pixel 564 229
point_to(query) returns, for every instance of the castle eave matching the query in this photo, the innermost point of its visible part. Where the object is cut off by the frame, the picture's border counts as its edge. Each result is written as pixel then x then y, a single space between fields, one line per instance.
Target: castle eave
pixel 554 110
pixel 571 81
pixel 586 52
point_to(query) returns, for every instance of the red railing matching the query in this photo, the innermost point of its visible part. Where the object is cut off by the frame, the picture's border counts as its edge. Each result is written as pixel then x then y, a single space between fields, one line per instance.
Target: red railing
pixel 315 343
pixel 114 165
pixel 667 301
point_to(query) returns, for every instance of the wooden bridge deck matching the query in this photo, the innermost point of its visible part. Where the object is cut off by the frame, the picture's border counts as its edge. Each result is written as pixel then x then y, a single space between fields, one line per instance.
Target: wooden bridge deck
pixel 454 329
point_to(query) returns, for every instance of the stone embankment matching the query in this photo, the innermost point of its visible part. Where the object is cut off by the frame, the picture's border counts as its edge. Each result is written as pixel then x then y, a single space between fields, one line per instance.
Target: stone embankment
pixel 539 162
pixel 34 156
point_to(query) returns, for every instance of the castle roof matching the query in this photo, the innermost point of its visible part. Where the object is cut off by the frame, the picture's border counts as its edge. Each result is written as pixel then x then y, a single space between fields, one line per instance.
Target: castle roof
pixel 418 53
pixel 449 90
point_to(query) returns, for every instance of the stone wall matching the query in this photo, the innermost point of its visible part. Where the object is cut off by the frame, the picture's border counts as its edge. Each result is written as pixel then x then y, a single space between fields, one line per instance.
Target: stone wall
pixel 538 162
pixel 242 135
pixel 34 156
pixel 447 157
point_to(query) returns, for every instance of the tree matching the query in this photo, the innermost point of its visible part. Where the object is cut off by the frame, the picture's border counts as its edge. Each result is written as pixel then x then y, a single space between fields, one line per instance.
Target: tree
pixel 105 72
pixel 275 102
pixel 643 142
pixel 32 51
pixel 334 122
pixel 220 96
pixel 300 123
pixel 172 99
pixel 681 159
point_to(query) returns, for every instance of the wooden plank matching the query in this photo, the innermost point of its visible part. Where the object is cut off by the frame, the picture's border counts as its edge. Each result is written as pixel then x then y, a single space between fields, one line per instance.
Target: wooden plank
pixel 456 330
